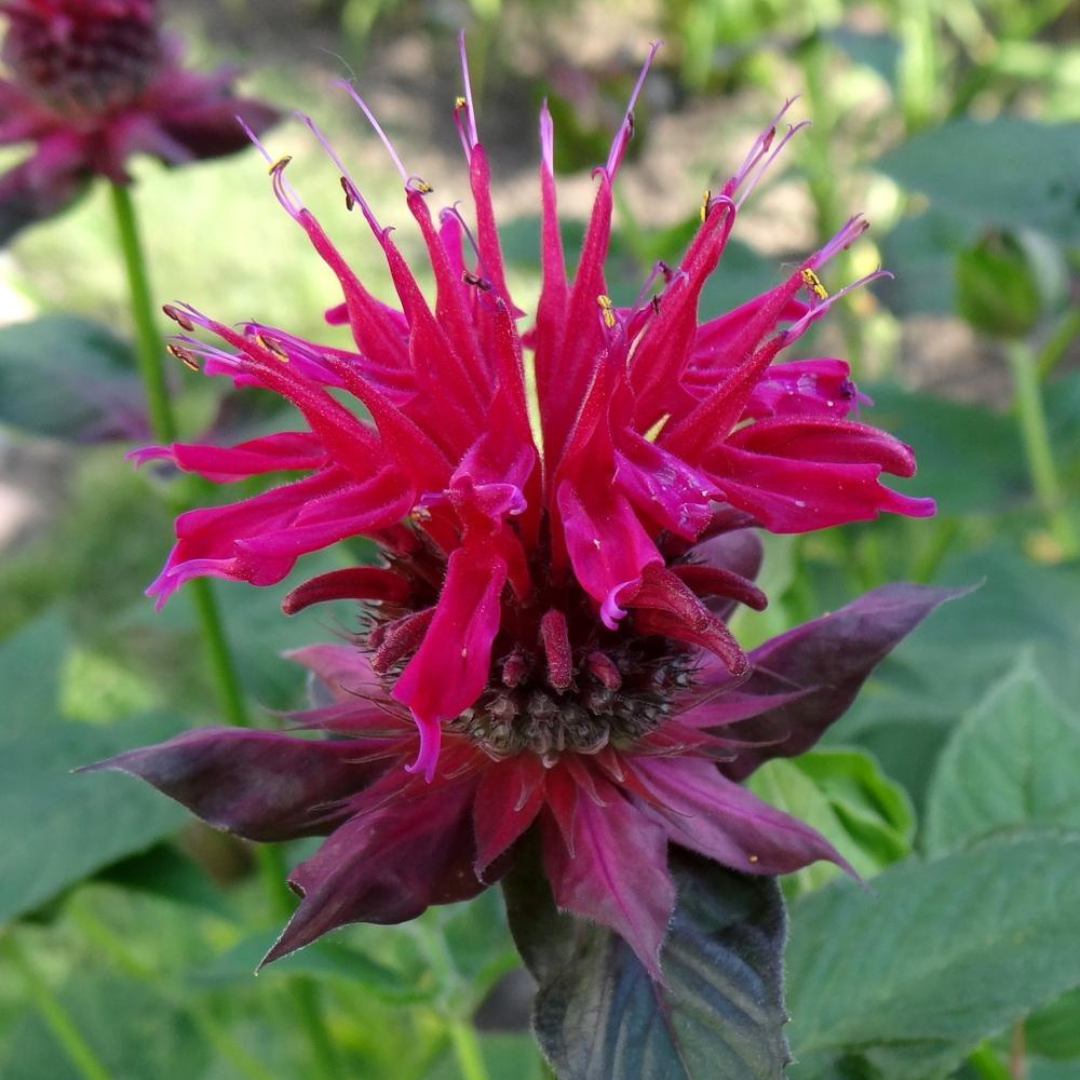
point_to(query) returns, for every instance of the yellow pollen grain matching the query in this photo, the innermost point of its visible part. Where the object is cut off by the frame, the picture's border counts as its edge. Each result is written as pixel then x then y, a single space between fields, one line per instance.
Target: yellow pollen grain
pixel 813 283
pixel 279 164
pixel 460 102
pixel 703 213
pixel 608 310
pixel 423 186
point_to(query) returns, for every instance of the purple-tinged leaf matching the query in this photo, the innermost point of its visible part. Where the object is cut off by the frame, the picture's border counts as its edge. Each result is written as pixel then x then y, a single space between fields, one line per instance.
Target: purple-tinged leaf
pixel 387 865
pixel 616 871
pixel 716 817
pixel 830 658
pixel 260 785
pixel 718 1011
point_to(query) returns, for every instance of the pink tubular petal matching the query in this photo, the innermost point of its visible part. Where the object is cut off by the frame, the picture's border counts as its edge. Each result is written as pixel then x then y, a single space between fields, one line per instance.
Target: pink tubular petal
pixel 350 583
pixel 451 666
pixel 788 495
pixel 608 548
pixel 717 818
pixel 615 872
pixel 823 439
pixel 664 349
pixel 563 379
pixel 664 604
pixel 662 487
pixel 283 451
pixel 554 295
pixel 259 539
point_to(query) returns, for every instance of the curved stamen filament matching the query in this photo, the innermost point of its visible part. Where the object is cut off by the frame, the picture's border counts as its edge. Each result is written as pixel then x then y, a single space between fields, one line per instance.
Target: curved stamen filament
pixel 626 128
pixel 473 137
pixel 384 138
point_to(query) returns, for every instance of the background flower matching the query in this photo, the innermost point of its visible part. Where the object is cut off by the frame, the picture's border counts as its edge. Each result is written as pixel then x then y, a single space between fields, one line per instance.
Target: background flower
pixel 94 83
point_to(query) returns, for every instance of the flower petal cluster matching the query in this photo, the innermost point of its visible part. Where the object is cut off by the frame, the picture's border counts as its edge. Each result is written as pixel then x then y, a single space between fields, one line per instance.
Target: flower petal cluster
pixel 93 82
pixel 566 517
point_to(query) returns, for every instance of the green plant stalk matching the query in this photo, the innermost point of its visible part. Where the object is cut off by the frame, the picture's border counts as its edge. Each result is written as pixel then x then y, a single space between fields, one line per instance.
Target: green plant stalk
pixel 467 1051
pixel 470 1059
pixel 1037 449
pixel 984 1060
pixel 230 692
pixel 56 1016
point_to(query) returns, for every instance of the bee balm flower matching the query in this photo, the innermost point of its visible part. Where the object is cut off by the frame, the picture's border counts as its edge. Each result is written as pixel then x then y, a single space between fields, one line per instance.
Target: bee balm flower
pixel 94 82
pixel 546 642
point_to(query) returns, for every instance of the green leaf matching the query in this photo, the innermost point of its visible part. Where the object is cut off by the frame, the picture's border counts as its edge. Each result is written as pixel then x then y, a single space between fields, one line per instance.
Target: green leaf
pixel 69 378
pixel 719 1013
pixel 983 171
pixel 908 709
pixel 166 871
pixel 133 1032
pixel 912 975
pixel 1054 1031
pixel 844 795
pixel 237 966
pixel 1011 762
pixel 60 828
pixel 506 1057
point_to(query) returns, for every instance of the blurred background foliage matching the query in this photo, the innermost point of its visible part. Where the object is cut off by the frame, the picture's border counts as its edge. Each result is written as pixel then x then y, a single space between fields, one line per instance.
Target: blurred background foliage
pixel 129 933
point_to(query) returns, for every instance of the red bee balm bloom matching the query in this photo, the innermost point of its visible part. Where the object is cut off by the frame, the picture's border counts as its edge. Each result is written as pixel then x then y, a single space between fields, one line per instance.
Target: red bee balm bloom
pixel 545 640
pixel 93 82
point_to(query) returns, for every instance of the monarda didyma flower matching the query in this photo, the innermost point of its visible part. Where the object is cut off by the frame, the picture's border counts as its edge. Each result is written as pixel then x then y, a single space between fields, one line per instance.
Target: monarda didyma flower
pixel 94 82
pixel 545 644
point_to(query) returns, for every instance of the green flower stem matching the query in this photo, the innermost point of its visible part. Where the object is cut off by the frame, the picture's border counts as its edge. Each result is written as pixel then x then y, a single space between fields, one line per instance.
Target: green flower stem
pixel 222 664
pixel 986 1063
pixel 1036 438
pixel 56 1016
pixel 466 1045
pixel 467 1052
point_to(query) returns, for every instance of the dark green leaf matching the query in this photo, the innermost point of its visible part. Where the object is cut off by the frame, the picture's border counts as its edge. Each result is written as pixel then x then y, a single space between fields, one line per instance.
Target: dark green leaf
pixel 1054 1031
pixel 921 252
pixel 166 871
pixel 1007 171
pixel 324 958
pixel 719 1013
pixel 912 975
pixel 1011 762
pixel 59 828
pixel 69 378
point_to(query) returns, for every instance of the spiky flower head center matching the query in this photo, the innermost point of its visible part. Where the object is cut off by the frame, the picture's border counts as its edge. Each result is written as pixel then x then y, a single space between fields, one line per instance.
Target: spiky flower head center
pixel 86 59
